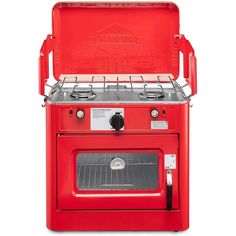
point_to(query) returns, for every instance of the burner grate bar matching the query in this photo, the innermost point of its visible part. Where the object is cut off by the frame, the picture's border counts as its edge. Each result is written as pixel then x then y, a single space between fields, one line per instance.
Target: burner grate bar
pixel 131 83
pixel 117 87
pixel 104 81
pixel 68 80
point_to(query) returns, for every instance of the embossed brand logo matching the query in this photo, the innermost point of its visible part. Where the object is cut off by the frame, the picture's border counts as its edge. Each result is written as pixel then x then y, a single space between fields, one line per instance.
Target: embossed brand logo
pixel 115 34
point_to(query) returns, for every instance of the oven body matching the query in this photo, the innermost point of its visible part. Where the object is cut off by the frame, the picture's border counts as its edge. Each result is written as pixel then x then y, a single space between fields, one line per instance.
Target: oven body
pixel 136 175
pixel 134 198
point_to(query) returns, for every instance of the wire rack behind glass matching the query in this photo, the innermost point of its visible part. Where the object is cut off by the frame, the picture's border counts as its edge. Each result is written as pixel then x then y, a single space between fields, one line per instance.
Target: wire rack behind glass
pixel 94 171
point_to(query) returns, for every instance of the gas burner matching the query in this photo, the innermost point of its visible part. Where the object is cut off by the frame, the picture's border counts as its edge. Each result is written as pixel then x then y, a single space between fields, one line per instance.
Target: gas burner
pixel 151 95
pixel 82 94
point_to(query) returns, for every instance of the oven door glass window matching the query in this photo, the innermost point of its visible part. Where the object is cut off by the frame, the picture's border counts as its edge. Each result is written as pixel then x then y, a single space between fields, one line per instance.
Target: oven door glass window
pixel 117 171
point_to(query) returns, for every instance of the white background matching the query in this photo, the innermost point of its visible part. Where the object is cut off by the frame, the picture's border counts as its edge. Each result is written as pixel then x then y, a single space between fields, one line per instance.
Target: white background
pixel 210 26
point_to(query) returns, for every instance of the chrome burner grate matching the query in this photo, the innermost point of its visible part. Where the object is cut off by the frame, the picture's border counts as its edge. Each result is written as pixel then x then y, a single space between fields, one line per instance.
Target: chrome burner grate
pixel 99 89
pixel 117 171
pixel 152 95
pixel 82 94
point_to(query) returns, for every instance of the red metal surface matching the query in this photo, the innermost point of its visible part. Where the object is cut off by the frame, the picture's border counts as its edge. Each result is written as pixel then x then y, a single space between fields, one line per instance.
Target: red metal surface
pixel 68 123
pixel 115 38
pixel 129 220
pixel 64 209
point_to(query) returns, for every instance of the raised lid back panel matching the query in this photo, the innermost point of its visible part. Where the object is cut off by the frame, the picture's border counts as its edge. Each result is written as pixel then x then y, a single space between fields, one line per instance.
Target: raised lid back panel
pixel 115 38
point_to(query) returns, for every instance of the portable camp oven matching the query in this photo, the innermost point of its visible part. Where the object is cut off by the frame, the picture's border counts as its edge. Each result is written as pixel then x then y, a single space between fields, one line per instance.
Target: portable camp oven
pixel 117 119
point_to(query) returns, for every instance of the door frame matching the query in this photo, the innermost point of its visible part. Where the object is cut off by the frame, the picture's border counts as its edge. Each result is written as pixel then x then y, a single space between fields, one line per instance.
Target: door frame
pixel 69 197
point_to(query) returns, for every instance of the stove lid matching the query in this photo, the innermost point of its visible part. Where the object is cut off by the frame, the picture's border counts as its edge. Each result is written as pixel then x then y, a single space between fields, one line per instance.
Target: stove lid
pixel 115 38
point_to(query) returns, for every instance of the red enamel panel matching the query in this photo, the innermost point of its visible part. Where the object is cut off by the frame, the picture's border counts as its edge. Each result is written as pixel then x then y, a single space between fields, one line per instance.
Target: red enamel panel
pixel 69 123
pixel 115 38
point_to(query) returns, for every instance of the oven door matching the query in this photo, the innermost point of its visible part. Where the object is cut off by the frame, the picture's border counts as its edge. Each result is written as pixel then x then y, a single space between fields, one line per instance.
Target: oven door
pixel 117 171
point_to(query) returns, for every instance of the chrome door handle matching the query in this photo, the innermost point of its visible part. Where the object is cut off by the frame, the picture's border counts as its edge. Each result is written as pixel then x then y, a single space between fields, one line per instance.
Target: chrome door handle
pixel 169 190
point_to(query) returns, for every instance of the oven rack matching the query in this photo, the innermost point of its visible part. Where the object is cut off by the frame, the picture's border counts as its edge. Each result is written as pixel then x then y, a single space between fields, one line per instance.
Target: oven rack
pixel 139 173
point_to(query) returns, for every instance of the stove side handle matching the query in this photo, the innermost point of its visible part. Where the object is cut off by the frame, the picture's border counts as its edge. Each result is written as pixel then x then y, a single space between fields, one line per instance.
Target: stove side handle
pixel 190 62
pixel 45 50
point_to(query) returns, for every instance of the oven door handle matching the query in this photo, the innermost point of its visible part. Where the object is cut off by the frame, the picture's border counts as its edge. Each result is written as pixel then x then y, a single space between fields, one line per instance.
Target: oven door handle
pixel 169 190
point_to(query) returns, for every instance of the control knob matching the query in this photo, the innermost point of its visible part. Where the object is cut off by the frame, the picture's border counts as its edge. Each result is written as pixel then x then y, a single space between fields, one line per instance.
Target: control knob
pixel 117 121
pixel 154 113
pixel 80 114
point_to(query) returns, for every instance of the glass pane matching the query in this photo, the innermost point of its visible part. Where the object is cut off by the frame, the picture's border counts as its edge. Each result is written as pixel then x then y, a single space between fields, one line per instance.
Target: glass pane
pixel 117 171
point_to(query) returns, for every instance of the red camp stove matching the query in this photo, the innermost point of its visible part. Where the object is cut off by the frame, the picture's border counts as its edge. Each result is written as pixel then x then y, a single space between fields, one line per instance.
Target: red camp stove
pixel 117 117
